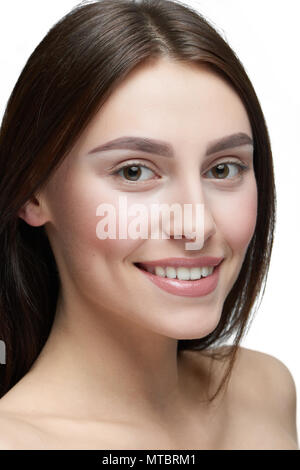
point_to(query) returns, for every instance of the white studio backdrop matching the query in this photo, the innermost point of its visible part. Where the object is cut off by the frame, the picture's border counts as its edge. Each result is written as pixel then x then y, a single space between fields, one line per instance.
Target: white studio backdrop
pixel 264 35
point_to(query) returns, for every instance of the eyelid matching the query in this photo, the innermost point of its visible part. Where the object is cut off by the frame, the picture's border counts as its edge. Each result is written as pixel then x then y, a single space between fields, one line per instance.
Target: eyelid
pixel 127 163
pixel 227 159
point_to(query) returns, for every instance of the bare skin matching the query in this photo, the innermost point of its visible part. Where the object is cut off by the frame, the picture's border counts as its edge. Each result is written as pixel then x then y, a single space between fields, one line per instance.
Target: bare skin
pixel 247 416
pixel 109 375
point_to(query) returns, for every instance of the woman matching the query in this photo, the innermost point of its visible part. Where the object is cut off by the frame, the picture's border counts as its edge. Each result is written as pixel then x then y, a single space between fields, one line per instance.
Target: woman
pixel 102 352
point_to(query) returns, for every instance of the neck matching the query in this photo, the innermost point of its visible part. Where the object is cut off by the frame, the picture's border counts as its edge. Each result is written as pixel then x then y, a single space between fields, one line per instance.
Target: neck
pixel 102 366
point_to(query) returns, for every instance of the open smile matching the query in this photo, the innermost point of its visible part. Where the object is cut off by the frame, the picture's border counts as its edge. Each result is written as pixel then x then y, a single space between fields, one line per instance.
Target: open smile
pixel 183 281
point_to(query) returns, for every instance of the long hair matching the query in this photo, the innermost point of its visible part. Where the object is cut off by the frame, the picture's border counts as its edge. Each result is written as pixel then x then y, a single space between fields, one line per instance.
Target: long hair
pixel 66 80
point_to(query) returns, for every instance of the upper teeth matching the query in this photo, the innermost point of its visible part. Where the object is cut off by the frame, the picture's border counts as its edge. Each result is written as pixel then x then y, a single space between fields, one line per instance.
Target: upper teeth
pixel 184 274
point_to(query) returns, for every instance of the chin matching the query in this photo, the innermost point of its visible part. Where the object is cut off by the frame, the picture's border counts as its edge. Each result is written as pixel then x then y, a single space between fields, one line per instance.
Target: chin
pixel 192 325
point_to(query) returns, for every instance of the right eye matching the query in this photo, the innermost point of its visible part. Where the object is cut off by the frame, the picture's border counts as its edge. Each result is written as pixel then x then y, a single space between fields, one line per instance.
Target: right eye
pixel 133 171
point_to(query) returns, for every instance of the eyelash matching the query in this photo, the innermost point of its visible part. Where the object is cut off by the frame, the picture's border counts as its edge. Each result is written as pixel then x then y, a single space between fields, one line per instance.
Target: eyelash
pixel 242 169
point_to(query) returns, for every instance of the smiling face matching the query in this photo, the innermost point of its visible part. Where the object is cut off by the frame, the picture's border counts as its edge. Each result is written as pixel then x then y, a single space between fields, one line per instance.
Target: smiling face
pixel 187 107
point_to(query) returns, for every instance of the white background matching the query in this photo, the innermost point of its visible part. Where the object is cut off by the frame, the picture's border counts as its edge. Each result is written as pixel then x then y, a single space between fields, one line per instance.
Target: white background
pixel 264 36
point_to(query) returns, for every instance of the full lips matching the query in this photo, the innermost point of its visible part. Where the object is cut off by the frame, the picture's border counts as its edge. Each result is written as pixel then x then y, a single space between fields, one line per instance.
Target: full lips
pixel 196 288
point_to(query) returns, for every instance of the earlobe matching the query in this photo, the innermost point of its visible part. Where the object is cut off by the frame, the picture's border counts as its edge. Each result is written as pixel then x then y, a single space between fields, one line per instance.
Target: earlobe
pixel 33 213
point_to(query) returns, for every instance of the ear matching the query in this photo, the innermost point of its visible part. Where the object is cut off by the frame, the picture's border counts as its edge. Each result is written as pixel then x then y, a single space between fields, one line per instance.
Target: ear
pixel 34 212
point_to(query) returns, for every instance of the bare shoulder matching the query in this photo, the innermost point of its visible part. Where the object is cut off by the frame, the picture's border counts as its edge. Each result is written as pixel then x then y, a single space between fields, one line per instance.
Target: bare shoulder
pixel 270 385
pixel 273 375
pixel 8 431
pixel 17 433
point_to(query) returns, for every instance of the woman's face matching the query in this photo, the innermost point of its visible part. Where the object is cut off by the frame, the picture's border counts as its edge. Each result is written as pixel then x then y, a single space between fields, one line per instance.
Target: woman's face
pixel 187 107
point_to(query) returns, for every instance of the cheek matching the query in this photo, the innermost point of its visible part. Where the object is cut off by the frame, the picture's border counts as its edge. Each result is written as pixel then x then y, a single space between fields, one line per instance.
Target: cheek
pixel 73 211
pixel 235 216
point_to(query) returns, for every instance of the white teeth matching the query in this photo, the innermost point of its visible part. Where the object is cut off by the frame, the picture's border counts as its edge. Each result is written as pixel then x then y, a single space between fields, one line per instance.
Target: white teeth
pixel 195 273
pixel 182 273
pixel 159 271
pixel 205 271
pixel 171 272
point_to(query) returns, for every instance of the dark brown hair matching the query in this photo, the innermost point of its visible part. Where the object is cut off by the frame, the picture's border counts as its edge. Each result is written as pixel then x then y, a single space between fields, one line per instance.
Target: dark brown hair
pixel 66 80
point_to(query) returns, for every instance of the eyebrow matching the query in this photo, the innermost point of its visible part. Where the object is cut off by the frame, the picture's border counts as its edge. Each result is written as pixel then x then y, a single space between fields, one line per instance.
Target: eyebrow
pixel 144 144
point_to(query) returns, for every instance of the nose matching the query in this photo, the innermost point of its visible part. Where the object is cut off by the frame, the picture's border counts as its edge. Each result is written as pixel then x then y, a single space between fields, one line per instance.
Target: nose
pixel 195 219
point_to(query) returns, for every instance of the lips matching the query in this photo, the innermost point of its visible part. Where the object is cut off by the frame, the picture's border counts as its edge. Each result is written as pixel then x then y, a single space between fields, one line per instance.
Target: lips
pixel 187 288
pixel 197 288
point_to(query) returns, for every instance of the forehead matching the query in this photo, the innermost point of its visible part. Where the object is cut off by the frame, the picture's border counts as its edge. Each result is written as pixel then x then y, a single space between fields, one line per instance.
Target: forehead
pixel 171 100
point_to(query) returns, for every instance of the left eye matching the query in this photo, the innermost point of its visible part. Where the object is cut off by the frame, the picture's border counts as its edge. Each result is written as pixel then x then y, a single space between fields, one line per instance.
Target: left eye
pixel 134 172
pixel 221 170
